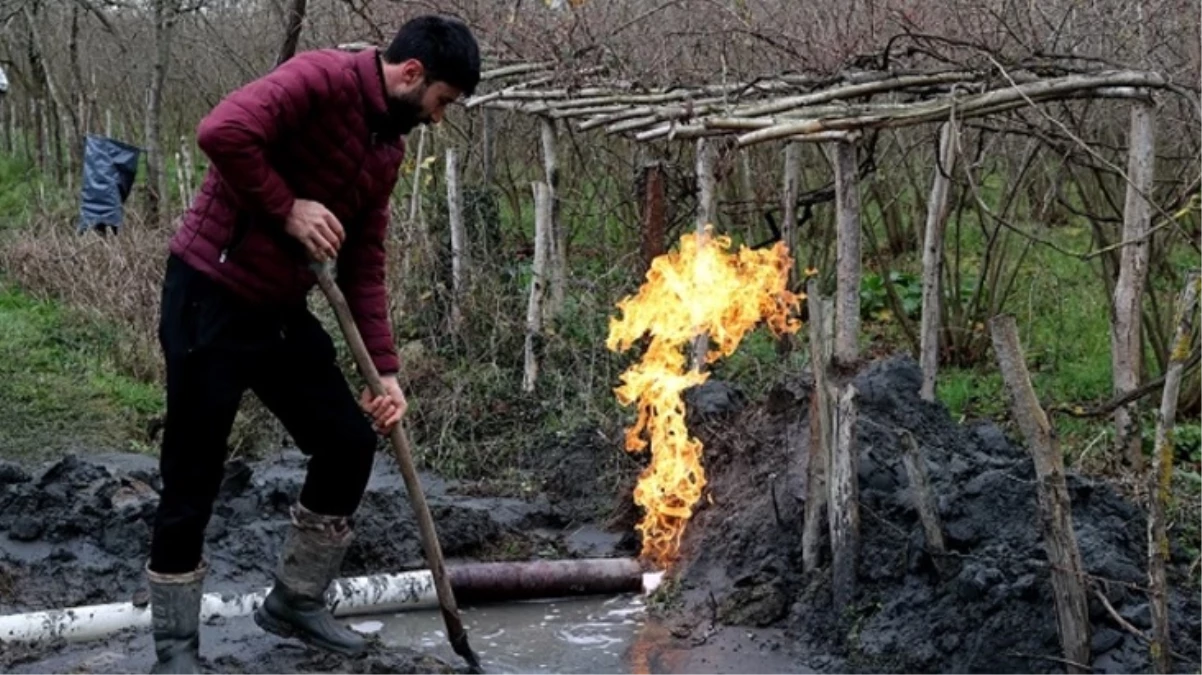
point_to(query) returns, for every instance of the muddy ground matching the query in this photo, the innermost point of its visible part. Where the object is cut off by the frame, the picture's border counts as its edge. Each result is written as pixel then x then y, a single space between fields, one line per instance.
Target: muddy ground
pixel 77 532
pixel 985 607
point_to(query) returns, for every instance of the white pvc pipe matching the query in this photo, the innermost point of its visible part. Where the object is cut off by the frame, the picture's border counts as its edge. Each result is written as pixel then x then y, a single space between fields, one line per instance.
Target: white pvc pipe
pixel 348 597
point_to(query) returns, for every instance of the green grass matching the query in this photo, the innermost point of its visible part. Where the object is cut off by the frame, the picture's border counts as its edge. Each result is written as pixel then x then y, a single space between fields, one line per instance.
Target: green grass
pixel 60 391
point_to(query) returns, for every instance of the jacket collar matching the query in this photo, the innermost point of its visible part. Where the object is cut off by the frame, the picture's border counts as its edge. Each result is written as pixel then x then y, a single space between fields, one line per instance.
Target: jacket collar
pixel 371 79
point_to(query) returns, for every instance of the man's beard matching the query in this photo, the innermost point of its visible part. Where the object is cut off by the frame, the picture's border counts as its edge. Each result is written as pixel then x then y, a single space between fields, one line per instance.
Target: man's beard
pixel 405 112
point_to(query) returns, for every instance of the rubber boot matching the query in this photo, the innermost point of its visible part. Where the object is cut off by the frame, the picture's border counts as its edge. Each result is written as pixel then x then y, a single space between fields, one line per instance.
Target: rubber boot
pixel 310 560
pixel 175 618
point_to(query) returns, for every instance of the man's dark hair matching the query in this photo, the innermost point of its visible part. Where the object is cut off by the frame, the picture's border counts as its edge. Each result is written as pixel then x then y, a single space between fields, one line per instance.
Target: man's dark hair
pixel 446 48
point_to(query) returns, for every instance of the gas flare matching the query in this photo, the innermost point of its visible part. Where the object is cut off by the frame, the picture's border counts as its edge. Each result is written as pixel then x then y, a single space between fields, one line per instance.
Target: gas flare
pixel 699 289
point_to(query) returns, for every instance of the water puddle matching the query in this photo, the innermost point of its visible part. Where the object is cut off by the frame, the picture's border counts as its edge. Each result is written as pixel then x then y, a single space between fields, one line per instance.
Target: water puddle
pixel 588 635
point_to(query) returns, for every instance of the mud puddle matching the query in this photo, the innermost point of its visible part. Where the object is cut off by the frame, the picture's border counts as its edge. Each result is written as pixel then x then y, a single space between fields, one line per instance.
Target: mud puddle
pixel 585 635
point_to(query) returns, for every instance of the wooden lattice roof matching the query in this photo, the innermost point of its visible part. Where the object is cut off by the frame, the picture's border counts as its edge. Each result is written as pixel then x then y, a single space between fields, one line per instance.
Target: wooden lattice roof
pixel 790 107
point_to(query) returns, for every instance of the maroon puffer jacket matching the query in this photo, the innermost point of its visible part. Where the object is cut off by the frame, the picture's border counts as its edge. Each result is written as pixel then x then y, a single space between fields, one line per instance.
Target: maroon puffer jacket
pixel 314 128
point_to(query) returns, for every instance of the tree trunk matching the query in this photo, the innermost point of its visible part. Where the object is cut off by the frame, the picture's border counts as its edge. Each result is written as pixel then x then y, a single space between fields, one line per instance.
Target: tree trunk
pixel 292 31
pixel 538 282
pixel 559 236
pixel 1161 476
pixel 459 254
pixel 932 259
pixel 1056 518
pixel 1125 336
pixel 156 175
pixel 847 302
pixel 707 157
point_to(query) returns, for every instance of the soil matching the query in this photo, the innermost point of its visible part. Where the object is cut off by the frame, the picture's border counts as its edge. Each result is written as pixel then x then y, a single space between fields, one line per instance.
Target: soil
pixel 985 606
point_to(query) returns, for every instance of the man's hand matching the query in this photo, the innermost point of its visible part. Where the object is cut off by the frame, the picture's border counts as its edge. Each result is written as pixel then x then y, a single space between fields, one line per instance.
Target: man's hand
pixel 314 226
pixel 385 411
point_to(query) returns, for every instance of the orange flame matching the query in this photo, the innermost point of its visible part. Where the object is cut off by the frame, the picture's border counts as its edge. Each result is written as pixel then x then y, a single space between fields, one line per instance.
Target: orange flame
pixel 700 289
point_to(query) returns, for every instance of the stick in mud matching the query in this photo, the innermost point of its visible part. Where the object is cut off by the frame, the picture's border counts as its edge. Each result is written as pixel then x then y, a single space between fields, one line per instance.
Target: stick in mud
pixel 1056 518
pixel 920 492
pixel 844 503
pixel 1161 475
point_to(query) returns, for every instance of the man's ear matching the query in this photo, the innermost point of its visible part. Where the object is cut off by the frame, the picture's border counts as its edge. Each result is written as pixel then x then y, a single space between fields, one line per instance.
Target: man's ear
pixel 413 72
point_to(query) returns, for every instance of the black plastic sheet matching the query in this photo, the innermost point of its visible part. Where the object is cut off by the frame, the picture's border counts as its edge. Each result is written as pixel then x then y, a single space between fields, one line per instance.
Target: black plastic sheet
pixel 109 169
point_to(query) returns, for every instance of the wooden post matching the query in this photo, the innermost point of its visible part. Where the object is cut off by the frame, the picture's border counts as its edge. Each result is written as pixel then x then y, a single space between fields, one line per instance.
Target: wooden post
pixel 707 157
pixel 821 341
pixel 1126 347
pixel 748 178
pixel 792 186
pixel 847 265
pixel 108 122
pixel 538 281
pixel 920 493
pixel 932 259
pixel 788 228
pixel 844 501
pixel 459 254
pixel 559 238
pixel 654 212
pixel 1161 476
pixel 1056 518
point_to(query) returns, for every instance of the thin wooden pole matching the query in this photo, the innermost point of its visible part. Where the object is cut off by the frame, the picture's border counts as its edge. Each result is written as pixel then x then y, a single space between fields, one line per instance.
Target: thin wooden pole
pixel 1161 476
pixel 538 282
pixel 1125 336
pixel 1056 517
pixel 559 236
pixel 792 186
pixel 845 498
pixel 847 293
pixel 707 157
pixel 459 254
pixel 821 342
pixel 932 259
pixel 654 212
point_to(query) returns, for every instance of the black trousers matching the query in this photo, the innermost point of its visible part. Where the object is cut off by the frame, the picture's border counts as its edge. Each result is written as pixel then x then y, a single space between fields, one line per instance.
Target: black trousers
pixel 216 347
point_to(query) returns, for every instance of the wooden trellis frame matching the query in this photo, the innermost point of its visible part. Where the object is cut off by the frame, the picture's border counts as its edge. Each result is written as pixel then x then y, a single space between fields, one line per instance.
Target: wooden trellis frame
pixel 837 110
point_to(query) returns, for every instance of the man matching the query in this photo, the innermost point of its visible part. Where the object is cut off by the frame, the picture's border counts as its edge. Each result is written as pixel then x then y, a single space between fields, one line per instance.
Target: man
pixel 303 163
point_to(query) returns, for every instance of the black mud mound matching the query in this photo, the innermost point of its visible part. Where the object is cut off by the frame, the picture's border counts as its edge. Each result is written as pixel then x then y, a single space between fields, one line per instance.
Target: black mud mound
pixel 986 606
pixel 78 532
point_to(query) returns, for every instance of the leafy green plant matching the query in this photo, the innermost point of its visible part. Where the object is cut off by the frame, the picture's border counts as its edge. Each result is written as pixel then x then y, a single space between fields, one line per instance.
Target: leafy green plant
pixel 874 295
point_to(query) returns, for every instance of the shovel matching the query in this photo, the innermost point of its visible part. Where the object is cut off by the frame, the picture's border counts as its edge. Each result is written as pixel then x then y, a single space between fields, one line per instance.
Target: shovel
pixel 404 458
